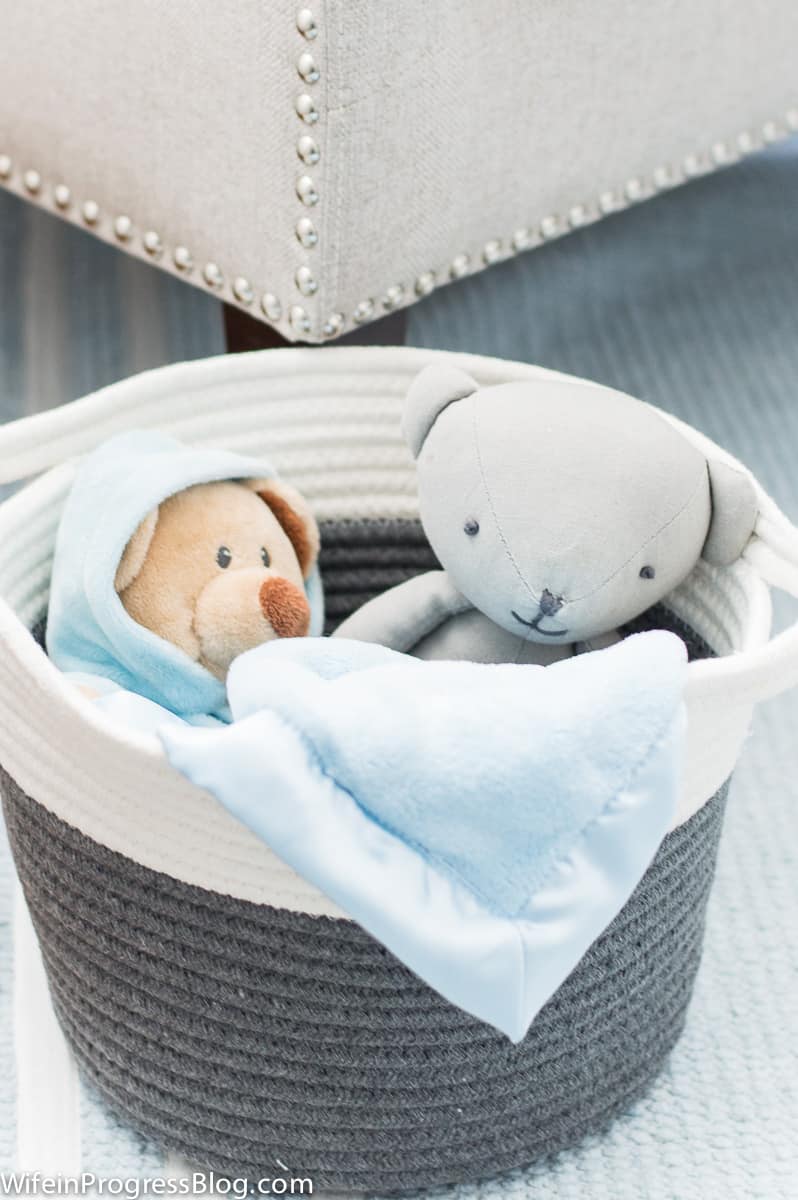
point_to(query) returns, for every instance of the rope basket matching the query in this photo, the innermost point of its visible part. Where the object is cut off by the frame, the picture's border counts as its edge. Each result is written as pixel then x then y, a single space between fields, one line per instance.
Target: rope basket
pixel 223 1005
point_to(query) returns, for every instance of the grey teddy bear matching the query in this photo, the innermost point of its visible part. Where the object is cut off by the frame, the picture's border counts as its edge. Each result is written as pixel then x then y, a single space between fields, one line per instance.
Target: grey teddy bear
pixel 559 510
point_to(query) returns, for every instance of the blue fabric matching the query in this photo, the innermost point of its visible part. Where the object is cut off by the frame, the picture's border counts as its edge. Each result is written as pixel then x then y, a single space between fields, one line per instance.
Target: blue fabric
pixel 485 822
pixel 88 630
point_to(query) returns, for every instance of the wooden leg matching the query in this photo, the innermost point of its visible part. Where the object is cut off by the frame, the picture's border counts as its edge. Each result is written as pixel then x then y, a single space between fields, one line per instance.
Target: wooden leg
pixel 244 332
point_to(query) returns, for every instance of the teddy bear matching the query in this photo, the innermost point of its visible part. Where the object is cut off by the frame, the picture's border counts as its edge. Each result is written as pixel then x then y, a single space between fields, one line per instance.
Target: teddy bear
pixel 220 567
pixel 559 510
pixel 170 561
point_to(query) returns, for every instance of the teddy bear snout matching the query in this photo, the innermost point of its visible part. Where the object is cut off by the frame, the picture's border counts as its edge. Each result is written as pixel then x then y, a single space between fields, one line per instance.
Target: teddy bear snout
pixel 285 607
pixel 549 603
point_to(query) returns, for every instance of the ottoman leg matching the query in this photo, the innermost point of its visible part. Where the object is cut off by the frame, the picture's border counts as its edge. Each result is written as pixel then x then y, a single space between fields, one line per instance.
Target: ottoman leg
pixel 243 332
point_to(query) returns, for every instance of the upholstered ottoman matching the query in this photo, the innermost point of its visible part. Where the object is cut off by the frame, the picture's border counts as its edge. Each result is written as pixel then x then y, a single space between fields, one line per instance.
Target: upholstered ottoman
pixel 322 166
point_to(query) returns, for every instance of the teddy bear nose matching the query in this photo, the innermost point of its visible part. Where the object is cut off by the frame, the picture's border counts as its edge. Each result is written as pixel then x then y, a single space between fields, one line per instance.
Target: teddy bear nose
pixel 285 607
pixel 549 603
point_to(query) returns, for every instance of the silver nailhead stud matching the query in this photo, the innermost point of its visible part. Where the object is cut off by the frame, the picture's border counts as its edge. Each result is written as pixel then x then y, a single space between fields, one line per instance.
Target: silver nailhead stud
pixel 242 290
pixel 745 142
pixel 306 66
pixel 5 166
pixel 634 189
pixel 393 297
pixel 300 321
pixel 123 228
pixel 306 190
pixel 492 251
pixel 692 165
pixel 308 150
pixel 306 233
pixel 90 212
pixel 306 109
pixel 577 216
pixel 305 281
pixel 609 203
pixel 306 24
pixel 523 239
pixel 271 306
pixel 663 177
pixel 792 118
pixel 32 181
pixel 770 131
pixel 459 266
pixel 152 244
pixel 333 325
pixel 62 195
pixel 363 312
pixel 212 275
pixel 425 283
pixel 182 258
pixel 549 227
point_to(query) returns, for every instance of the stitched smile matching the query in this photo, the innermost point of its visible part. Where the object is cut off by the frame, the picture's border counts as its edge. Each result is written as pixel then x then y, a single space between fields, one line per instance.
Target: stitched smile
pixel 536 625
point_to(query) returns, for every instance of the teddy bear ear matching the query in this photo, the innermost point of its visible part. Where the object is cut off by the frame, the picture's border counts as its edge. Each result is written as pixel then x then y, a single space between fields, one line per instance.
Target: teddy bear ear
pixel 293 512
pixel 734 512
pixel 135 553
pixel 433 390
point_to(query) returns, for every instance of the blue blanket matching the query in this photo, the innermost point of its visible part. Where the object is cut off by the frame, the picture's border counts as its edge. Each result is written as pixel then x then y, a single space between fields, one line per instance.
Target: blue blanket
pixel 485 822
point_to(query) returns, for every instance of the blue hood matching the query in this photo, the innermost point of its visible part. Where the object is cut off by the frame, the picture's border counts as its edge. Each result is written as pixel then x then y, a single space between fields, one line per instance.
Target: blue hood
pixel 88 629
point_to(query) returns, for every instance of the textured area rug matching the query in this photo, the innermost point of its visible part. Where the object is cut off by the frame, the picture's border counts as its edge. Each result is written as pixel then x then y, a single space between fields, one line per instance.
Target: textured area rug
pixel 690 301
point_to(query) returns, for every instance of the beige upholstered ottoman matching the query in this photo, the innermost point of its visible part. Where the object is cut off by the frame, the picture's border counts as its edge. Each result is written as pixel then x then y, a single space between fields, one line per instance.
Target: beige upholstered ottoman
pixel 322 166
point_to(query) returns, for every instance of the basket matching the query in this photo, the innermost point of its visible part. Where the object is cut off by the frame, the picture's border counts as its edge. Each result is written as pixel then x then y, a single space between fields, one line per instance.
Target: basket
pixel 218 1002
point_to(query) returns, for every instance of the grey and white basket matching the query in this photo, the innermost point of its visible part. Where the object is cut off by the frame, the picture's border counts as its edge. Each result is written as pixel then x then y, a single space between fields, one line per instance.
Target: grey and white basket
pixel 219 1002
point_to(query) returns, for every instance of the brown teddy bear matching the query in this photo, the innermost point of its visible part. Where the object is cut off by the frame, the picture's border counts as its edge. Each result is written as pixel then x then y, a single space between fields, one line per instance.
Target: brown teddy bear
pixel 219 568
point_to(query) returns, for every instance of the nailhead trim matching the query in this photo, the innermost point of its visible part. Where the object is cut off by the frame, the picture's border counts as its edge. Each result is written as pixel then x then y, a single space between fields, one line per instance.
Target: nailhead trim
pixel 306 24
pixel 212 275
pixel 242 290
pixel 333 326
pixel 32 182
pixel 152 244
pixel 550 226
pixel 271 306
pixel 307 149
pixel 554 225
pixel 309 153
pixel 183 260
pixel 123 230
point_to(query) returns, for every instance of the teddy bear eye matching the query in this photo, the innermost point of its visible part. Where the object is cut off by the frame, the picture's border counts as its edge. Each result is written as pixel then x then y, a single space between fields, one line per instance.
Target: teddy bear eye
pixel 223 557
pixel 266 557
pixel 647 572
pixel 471 527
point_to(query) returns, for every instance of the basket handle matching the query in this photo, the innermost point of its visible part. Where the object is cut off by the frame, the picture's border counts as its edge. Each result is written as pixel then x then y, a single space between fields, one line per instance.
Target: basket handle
pixel 47 439
pixel 764 672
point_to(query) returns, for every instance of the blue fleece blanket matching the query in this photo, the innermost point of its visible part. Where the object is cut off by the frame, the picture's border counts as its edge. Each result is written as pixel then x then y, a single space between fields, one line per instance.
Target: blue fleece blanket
pixel 139 678
pixel 485 822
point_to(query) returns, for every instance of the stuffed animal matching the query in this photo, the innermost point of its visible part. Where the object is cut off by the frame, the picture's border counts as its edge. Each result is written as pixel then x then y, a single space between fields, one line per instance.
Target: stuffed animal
pixel 559 510
pixel 170 561
pixel 220 567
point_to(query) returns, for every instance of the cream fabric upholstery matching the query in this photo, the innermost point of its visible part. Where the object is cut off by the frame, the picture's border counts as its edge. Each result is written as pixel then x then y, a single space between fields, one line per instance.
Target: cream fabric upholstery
pixel 444 130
